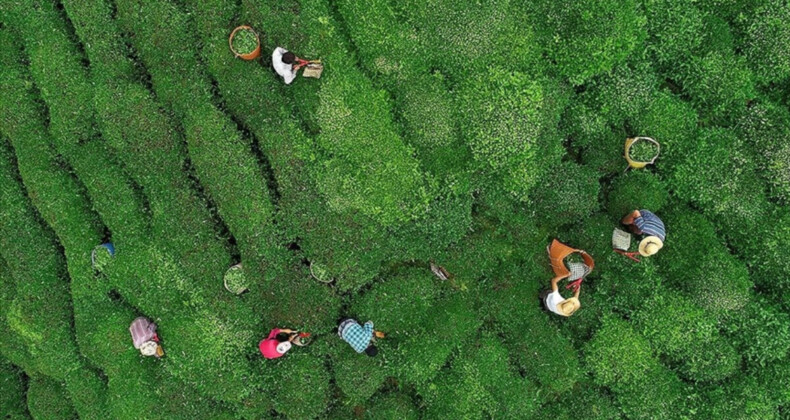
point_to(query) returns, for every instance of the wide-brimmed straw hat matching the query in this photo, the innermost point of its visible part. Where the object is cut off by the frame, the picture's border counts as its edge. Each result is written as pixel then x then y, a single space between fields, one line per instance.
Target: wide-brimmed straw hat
pixel 568 306
pixel 650 245
pixel 149 348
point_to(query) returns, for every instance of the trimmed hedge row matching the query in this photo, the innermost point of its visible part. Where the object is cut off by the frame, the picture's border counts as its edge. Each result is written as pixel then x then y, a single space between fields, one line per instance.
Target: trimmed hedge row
pixel 151 147
pixel 40 315
pixel 130 285
pixel 236 183
pixel 12 400
pixel 48 399
pixel 66 90
pixel 101 325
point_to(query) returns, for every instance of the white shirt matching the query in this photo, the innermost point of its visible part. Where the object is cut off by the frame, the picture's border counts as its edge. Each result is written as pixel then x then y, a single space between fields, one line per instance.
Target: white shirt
pixel 554 299
pixel 284 70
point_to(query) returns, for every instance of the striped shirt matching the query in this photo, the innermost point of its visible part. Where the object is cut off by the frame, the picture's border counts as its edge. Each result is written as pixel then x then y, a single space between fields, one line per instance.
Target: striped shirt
pixel 142 330
pixel 650 224
pixel 356 335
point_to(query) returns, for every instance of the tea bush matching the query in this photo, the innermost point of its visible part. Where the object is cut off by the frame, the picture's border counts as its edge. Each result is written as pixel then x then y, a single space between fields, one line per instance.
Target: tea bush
pixel 477 382
pixel 460 39
pixel 587 38
pixel 728 400
pixel 636 190
pixel 766 45
pixel 510 141
pixel 47 399
pixel 688 336
pixel 702 266
pixel 12 402
pixel 720 83
pixel 460 133
pixel 623 361
pixel 765 127
pixel 761 333
pixel 675 30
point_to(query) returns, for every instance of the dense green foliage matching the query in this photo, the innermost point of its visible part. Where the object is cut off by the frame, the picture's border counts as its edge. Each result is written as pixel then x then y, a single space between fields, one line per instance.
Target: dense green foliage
pixel 468 134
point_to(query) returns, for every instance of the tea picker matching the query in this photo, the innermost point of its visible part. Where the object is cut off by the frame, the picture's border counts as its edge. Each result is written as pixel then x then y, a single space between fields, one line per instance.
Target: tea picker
pixel 640 222
pixel 287 65
pixel 144 337
pixel 575 272
pixel 440 271
pixel 281 340
pixel 361 338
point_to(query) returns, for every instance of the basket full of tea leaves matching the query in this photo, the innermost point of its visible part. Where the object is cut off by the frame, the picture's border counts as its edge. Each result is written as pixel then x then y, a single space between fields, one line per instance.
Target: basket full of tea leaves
pixel 245 43
pixel 235 280
pixel 320 272
pixel 643 151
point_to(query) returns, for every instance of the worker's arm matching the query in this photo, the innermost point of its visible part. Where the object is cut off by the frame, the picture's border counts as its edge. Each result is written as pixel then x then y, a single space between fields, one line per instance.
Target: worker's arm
pixel 286 330
pixel 629 218
pixel 554 281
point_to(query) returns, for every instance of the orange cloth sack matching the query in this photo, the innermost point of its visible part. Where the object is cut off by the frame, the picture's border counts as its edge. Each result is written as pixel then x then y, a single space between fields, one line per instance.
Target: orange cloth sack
pixel 557 253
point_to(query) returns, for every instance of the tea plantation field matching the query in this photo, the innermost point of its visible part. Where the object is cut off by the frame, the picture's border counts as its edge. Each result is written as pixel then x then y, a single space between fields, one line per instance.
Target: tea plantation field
pixel 468 133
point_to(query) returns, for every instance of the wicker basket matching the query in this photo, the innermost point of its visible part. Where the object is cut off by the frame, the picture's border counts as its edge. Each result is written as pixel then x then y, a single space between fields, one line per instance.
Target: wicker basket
pixel 249 56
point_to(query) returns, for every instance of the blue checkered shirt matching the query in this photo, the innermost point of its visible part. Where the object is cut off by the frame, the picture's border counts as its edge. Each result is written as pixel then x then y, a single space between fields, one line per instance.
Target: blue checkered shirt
pixel 650 224
pixel 356 335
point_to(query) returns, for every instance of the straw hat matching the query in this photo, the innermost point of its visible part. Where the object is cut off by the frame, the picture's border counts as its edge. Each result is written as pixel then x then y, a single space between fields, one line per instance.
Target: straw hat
pixel 149 348
pixel 568 306
pixel 650 245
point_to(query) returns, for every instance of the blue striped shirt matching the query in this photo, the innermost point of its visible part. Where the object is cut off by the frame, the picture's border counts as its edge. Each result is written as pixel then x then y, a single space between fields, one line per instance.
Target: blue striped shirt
pixel 356 335
pixel 650 224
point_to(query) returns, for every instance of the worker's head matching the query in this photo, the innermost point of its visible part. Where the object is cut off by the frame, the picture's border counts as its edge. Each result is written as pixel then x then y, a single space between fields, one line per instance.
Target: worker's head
pixel 289 58
pixel 650 245
pixel 283 337
pixel 149 348
pixel 371 351
pixel 569 306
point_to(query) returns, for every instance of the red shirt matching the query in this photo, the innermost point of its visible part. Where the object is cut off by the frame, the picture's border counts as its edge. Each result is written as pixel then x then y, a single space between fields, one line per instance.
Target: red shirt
pixel 268 346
